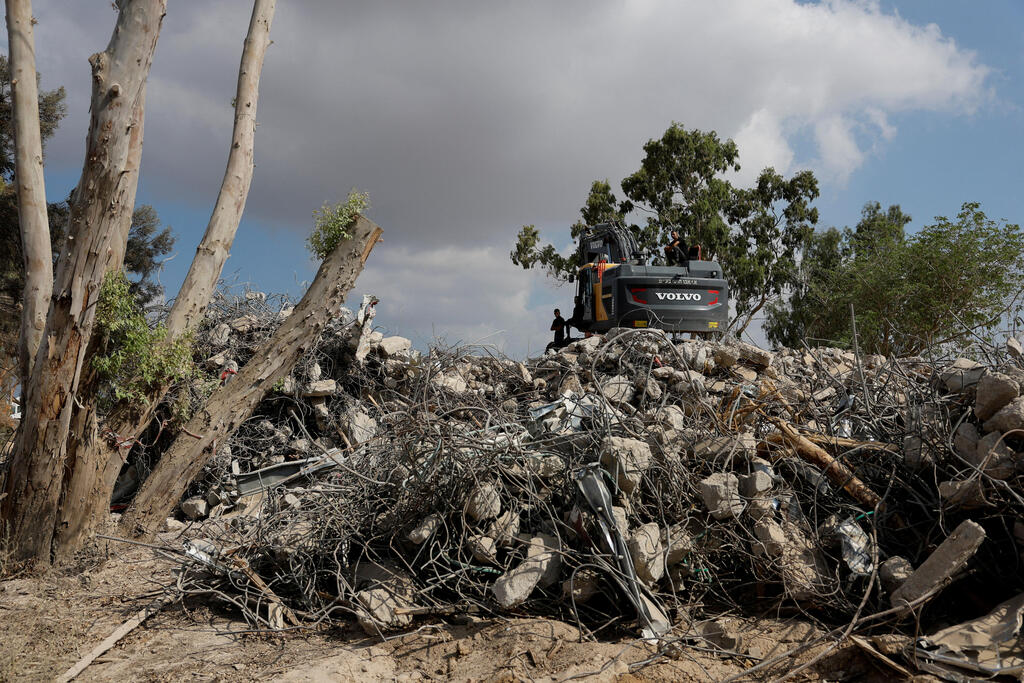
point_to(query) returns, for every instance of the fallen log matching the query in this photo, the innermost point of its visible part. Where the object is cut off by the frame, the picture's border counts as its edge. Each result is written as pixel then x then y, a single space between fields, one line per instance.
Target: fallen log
pixel 838 473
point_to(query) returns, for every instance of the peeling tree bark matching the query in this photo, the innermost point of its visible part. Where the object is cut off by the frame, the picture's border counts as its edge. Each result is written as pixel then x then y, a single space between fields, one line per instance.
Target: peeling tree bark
pixel 101 209
pixel 96 459
pixel 234 403
pixel 30 185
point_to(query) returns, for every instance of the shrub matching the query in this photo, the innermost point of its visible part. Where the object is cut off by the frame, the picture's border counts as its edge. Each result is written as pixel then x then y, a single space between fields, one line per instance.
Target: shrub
pixel 133 356
pixel 331 223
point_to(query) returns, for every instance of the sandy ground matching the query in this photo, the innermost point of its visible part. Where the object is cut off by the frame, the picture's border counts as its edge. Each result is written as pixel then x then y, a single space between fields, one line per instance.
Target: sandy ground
pixel 48 621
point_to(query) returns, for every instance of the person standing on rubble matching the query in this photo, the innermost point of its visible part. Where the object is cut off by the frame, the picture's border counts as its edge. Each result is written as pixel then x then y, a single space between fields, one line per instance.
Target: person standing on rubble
pixel 577 315
pixel 558 327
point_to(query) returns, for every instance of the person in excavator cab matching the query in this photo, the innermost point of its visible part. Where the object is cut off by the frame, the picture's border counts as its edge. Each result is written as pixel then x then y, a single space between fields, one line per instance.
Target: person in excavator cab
pixel 675 251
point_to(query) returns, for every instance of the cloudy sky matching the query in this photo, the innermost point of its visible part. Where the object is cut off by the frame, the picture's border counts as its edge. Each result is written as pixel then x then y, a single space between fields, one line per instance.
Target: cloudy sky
pixel 465 120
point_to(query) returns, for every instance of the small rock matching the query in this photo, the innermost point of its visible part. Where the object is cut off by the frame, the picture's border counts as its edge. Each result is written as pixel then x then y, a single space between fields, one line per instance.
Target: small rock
pixel 1014 348
pixel 962 374
pixel 483 503
pixel 393 346
pixel 893 572
pixel 1010 416
pixel 483 549
pixel 721 495
pixel 645 548
pixel 172 524
pixel 965 441
pixel 542 563
pixel 756 483
pixel 626 460
pixel 505 528
pixel 425 529
pixel 324 387
pixel 194 508
pixel 995 390
pixel 618 389
pixel 771 538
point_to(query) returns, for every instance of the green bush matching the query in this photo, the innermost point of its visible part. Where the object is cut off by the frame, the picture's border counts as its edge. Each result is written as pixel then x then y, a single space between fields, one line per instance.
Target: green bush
pixel 133 357
pixel 331 223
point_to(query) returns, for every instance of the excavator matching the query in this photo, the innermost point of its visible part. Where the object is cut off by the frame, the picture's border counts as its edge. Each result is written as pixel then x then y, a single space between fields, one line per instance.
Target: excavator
pixel 617 287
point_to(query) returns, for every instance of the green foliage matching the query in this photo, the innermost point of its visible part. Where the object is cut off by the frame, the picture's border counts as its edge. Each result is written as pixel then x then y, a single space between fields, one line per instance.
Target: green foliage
pixel 950 280
pixel 331 223
pixel 679 185
pixel 773 221
pixel 132 356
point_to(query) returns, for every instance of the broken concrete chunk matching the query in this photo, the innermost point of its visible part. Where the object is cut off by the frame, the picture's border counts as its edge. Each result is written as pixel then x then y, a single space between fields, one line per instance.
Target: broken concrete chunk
pixel 483 503
pixel 995 456
pixel 1014 348
pixel 194 508
pixel 771 539
pixel 505 528
pixel 721 495
pixel 540 567
pixel 324 387
pixel 965 441
pixel 425 529
pixel 948 559
pixel 221 335
pixel 581 586
pixel 626 460
pixel 393 346
pixel 381 610
pixel 1010 416
pixel 359 427
pixel 756 483
pixel 893 572
pixel 450 382
pixel 995 390
pixel 645 548
pixel 678 544
pixel 963 493
pixel 962 374
pixel 483 549
pixel 618 389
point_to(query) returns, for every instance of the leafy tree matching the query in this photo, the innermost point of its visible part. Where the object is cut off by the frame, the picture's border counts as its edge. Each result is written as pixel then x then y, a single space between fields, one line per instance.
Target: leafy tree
pixel 773 221
pixel 679 185
pixel 949 280
pixel 147 242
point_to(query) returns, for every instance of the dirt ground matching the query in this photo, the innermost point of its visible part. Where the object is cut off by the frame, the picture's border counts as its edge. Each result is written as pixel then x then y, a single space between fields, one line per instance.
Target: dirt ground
pixel 49 621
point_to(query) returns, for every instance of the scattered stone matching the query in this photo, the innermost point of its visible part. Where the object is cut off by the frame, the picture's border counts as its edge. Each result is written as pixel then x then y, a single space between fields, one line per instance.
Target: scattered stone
pixel 893 572
pixel 324 387
pixel 505 528
pixel 393 346
pixel 962 374
pixel 721 495
pixel 995 390
pixel 426 529
pixel 483 503
pixel 483 548
pixel 195 508
pixel 626 460
pixel 542 564
pixel 1010 416
pixel 645 548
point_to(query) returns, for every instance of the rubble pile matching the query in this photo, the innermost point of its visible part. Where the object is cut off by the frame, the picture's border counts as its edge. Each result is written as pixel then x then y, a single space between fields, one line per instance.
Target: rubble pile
pixel 624 479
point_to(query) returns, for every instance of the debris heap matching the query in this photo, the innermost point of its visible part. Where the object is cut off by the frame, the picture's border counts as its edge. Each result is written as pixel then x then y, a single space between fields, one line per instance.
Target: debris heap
pixel 379 483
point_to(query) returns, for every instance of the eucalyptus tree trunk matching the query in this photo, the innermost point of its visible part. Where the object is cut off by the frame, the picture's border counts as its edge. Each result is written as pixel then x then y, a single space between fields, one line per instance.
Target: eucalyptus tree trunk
pixel 29 183
pixel 101 209
pixel 98 455
pixel 232 404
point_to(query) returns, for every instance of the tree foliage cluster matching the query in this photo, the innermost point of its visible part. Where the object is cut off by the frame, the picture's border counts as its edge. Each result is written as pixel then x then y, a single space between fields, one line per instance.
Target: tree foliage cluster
pixel 332 223
pixel 133 354
pixel 944 283
pixel 756 233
